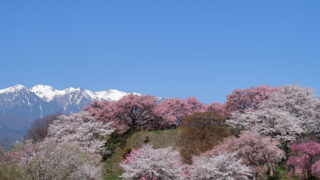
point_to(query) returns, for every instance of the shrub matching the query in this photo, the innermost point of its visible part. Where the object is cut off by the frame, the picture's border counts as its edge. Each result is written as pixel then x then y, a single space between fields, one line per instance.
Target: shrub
pixel 8 168
pixel 200 132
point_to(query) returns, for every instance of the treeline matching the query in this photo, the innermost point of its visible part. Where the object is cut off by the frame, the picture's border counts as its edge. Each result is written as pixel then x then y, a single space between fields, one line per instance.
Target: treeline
pixel 258 133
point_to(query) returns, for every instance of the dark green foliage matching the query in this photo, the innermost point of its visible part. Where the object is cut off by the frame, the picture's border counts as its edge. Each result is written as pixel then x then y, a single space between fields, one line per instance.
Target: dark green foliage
pixel 126 152
pixel 113 142
pixel 200 132
pixel 281 173
pixel 10 172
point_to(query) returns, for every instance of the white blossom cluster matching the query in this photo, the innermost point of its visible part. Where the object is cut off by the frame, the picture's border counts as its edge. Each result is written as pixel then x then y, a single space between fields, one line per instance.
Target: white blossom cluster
pixel 82 129
pixel 291 111
pixel 150 163
pixel 220 167
pixel 59 161
pixel 272 122
pixel 301 103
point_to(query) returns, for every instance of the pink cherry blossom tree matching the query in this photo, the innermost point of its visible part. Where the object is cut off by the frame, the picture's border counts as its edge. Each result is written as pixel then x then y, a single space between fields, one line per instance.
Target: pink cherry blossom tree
pixel 129 113
pixel 136 112
pixel 315 169
pixel 303 159
pixel 217 108
pixel 173 110
pixel 244 100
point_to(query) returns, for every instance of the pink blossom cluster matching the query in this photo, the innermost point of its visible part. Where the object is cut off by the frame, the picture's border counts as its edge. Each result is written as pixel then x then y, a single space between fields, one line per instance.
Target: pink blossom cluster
pixel 304 159
pixel 144 112
pixel 253 148
pixel 217 108
pixel 245 100
pixel 148 112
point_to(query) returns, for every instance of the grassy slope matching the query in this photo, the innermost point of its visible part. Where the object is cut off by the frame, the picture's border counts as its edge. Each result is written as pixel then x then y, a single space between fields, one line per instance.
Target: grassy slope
pixel 159 139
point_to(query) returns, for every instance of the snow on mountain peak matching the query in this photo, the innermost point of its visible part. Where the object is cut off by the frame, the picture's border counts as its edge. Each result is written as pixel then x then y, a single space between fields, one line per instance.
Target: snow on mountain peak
pixel 45 92
pixel 111 94
pixel 12 89
pixel 48 93
pixel 72 89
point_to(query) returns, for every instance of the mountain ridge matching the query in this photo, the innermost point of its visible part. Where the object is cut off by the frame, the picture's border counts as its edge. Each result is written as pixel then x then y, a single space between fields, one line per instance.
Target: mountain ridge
pixel 19 105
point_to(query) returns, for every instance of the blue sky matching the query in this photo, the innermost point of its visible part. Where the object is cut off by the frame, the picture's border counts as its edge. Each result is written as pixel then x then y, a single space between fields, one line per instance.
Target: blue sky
pixel 166 48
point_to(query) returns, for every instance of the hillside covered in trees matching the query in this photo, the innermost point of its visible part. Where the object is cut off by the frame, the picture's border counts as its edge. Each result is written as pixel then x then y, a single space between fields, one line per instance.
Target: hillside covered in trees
pixel 258 133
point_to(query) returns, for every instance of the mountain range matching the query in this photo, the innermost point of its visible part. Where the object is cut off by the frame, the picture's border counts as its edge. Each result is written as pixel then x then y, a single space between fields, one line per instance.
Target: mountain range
pixel 19 106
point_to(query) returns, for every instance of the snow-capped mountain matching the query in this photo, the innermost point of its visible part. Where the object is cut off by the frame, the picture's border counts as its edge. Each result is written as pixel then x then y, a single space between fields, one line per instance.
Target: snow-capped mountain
pixel 48 93
pixel 73 99
pixel 19 106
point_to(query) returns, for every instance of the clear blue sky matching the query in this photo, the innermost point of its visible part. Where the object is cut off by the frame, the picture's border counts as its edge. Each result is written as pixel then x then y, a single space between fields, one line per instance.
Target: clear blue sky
pixel 166 48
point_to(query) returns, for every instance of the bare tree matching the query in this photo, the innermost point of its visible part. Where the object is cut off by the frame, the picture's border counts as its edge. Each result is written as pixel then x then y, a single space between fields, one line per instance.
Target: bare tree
pixel 39 128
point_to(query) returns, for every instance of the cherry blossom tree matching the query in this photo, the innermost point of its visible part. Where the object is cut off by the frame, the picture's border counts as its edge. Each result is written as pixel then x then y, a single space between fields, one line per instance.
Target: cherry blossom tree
pixel 174 110
pixel 315 169
pixel 220 167
pixel 244 100
pixel 82 129
pixel 273 122
pixel 256 151
pixel 52 160
pixel 290 112
pixel 136 112
pixel 149 163
pixel 299 102
pixel 129 113
pixel 303 159
pixel 101 110
pixel 216 108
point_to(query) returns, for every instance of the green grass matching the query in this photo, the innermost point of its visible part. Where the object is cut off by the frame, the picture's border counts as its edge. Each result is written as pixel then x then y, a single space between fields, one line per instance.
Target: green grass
pixel 159 139
pixel 282 173
pixel 10 172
